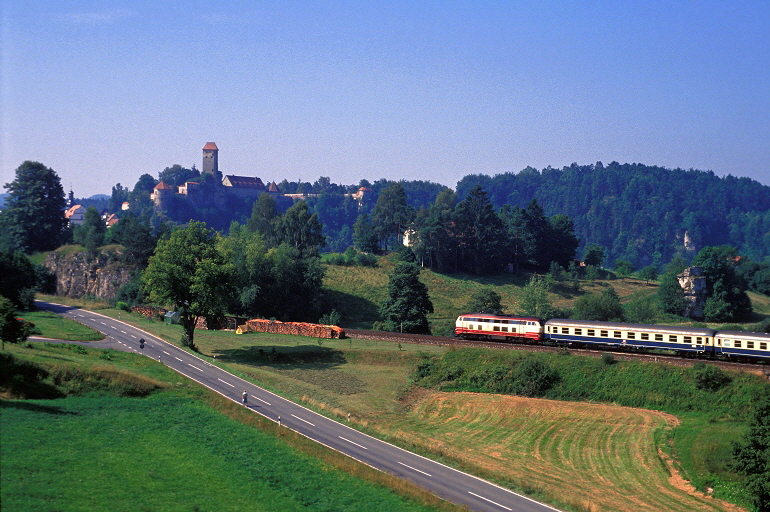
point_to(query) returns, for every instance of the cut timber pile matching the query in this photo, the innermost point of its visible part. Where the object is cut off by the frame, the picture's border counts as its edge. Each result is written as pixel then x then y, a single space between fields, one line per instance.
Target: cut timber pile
pixel 294 328
pixel 148 311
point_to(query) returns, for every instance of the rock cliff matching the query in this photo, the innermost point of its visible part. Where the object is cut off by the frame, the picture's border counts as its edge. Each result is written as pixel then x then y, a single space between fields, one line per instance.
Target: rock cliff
pixel 78 274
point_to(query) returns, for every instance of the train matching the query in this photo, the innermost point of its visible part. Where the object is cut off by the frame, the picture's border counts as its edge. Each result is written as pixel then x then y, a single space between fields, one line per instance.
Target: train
pixel 689 341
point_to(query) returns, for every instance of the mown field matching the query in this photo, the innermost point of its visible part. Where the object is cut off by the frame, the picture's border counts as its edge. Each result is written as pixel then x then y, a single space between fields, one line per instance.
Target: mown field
pixel 620 454
pixel 126 433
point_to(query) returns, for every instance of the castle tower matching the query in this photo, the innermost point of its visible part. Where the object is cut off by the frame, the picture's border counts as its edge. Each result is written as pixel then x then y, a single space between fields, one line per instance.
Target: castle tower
pixel 210 159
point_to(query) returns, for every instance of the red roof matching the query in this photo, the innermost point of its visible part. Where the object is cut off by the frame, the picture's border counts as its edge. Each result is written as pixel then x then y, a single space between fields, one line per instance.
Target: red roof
pixel 273 188
pixel 163 186
pixel 210 146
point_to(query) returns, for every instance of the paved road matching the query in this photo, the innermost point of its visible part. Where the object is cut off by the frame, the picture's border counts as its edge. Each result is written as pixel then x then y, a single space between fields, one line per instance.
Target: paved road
pixel 450 484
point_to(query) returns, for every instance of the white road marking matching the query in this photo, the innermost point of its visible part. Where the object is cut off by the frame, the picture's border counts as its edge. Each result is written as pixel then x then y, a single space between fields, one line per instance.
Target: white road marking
pixel 175 357
pixel 306 421
pixel 102 323
pixel 487 499
pixel 114 327
pixel 132 336
pixel 188 364
pixel 220 380
pixel 166 353
pixel 415 469
pixel 351 442
pixel 124 332
pixel 263 401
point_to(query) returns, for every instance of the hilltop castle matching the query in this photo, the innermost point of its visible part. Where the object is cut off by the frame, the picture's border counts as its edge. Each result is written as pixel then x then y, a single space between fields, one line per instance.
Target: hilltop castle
pixel 225 187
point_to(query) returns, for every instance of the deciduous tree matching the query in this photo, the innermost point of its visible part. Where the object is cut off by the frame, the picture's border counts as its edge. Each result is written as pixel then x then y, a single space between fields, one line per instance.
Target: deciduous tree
pixel 485 301
pixel 188 271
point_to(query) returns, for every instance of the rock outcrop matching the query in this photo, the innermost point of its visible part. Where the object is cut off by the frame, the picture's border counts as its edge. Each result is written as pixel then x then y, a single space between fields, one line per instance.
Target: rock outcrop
pixel 78 274
pixel 693 282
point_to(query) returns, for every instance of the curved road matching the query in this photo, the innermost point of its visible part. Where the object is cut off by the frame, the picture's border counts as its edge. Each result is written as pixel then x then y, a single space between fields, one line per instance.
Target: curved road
pixel 446 482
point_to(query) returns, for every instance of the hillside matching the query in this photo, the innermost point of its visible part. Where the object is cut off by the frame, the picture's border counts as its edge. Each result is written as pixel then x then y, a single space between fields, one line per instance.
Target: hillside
pixel 636 210
pixel 357 292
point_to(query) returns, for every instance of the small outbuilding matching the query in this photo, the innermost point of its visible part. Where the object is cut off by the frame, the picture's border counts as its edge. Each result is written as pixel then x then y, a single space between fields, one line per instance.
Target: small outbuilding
pixel 171 317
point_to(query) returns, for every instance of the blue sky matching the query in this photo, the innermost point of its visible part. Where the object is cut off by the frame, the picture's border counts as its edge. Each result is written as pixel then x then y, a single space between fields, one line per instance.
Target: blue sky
pixel 103 92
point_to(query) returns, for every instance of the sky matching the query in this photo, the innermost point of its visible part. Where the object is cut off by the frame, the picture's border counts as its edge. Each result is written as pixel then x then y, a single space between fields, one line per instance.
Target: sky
pixel 103 92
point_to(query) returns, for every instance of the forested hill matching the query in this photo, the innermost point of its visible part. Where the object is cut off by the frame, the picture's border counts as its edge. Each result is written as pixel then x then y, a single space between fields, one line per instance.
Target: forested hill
pixel 636 211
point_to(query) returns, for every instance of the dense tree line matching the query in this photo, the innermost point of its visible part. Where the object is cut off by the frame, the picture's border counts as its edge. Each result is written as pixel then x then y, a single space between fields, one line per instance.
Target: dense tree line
pixel 635 211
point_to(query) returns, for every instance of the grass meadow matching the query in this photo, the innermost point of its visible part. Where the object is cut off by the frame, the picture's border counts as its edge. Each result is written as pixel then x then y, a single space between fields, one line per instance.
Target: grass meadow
pixel 624 436
pixel 155 441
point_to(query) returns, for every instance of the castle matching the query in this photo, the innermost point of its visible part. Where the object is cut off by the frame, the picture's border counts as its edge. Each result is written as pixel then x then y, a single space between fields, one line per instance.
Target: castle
pixel 227 187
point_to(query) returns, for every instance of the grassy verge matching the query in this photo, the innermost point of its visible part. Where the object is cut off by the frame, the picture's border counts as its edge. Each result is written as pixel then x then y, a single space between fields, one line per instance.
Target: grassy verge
pixel 51 325
pixel 178 448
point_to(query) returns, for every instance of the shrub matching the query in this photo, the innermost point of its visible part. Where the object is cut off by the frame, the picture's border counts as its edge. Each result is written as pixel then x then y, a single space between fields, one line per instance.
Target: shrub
pixel 709 377
pixel 27 299
pixel 533 377
pixel 607 358
pixel 123 306
pixel 332 318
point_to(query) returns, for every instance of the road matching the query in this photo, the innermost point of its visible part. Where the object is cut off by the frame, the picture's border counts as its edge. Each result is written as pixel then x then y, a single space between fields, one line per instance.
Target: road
pixel 446 482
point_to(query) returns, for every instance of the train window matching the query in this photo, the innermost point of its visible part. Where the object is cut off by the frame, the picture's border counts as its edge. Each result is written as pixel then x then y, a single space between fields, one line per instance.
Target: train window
pixel 578 331
pixel 658 337
pixel 504 329
pixel 603 334
pixel 698 340
pixel 687 339
pixel 749 344
pixel 645 336
pixel 617 334
pixel 631 335
pixel 762 346
pixel 497 328
pixel 737 343
pixel 591 332
pixel 672 338
pixel 719 343
pixel 565 330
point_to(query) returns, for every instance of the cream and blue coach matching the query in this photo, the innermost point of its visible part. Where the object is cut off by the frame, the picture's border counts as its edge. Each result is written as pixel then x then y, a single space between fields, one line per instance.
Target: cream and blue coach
pixel 680 339
pixel 742 344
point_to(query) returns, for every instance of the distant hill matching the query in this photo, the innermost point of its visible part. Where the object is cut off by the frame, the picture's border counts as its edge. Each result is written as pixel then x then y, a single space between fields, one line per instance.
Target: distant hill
pixel 635 211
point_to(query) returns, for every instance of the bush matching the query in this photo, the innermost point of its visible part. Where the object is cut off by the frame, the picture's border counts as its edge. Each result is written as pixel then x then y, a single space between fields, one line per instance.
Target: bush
pixel 534 377
pixel 608 359
pixel 709 377
pixel 27 299
pixel 332 318
pixel 123 306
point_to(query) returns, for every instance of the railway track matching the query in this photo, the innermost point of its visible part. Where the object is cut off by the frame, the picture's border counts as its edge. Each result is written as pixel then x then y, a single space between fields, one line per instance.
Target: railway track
pixel 620 355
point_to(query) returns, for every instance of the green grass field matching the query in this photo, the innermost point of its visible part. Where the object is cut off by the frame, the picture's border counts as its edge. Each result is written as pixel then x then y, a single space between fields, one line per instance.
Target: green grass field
pixel 179 447
pixel 51 325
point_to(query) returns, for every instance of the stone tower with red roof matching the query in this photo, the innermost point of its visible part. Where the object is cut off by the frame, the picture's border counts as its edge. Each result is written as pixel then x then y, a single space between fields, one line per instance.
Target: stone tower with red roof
pixel 210 159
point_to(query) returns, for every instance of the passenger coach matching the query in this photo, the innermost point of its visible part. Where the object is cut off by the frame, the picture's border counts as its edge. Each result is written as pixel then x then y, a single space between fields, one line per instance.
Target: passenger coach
pixel 679 339
pixel 486 326
pixel 742 343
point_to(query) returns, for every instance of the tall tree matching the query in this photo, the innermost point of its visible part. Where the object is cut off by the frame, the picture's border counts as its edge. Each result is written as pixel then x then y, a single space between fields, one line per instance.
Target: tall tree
pixel 534 300
pixel 364 237
pixel 188 271
pixel 408 302
pixel 263 215
pixel 670 292
pixel 480 234
pixel 391 215
pixel 33 217
pixel 300 229
pixel 726 292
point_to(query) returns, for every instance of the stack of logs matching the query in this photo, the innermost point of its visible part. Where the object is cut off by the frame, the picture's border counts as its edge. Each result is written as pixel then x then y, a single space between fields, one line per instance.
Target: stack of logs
pixel 294 328
pixel 148 311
